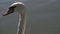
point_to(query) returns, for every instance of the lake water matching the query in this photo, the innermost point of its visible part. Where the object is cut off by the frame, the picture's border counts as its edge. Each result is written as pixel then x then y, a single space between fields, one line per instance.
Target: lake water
pixel 43 17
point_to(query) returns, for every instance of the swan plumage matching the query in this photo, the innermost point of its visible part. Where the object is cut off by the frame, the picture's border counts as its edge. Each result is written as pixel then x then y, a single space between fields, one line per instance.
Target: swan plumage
pixel 18 7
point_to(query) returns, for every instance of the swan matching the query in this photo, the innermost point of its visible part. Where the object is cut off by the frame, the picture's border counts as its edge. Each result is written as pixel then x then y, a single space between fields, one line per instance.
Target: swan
pixel 20 8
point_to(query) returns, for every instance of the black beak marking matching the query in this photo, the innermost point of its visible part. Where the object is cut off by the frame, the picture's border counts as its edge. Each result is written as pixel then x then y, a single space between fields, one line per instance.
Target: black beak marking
pixel 11 10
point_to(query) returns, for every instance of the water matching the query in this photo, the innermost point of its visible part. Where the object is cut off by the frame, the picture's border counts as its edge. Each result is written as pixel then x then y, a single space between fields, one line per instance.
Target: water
pixel 43 17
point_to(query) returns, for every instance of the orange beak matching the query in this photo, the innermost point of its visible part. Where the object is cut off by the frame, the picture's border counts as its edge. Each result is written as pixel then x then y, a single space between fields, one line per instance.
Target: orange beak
pixel 8 12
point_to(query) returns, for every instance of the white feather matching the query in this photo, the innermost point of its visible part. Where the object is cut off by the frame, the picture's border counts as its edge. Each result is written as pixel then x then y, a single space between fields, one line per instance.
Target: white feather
pixel 17 3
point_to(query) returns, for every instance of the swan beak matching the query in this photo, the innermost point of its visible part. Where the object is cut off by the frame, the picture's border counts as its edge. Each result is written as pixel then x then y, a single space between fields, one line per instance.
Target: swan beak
pixel 8 12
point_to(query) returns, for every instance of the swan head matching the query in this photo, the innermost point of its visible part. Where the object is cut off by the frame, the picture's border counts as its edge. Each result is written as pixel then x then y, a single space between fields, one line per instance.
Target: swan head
pixel 15 7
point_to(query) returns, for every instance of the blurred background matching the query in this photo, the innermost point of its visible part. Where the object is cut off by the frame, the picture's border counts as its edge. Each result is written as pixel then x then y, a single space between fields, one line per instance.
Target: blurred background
pixel 43 17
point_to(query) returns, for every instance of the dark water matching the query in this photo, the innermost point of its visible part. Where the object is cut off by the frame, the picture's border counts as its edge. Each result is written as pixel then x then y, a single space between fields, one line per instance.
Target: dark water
pixel 43 17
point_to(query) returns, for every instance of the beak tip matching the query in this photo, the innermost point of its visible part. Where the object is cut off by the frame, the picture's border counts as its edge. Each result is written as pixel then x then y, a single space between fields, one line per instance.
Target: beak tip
pixel 3 15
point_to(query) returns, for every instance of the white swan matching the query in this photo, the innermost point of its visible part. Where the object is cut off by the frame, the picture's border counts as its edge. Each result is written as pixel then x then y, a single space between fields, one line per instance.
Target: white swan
pixel 20 8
